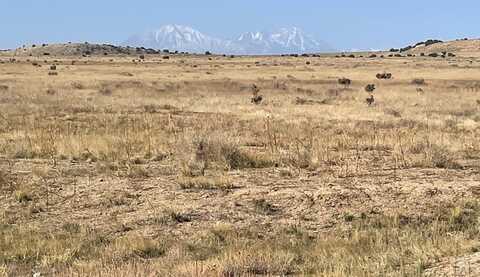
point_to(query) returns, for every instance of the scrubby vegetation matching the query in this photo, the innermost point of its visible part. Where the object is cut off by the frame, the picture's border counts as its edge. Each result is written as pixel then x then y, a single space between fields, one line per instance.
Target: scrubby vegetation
pixel 157 168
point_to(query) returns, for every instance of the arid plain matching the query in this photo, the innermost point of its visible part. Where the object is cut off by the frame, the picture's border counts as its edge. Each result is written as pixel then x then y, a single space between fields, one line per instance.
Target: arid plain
pixel 114 165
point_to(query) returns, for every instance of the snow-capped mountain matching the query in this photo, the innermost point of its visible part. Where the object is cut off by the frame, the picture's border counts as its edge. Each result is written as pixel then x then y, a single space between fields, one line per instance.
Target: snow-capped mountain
pixel 183 38
pixel 285 40
pixel 177 37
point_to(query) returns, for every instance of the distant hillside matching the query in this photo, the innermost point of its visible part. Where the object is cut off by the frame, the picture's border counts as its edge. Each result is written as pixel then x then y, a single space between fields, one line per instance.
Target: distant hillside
pixel 79 49
pixel 465 48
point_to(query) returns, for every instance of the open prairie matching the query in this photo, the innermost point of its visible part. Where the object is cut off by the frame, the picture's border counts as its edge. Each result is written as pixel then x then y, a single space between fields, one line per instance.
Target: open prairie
pixel 166 167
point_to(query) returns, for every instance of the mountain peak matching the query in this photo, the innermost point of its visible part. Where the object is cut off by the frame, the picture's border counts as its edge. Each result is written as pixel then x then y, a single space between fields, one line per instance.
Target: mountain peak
pixel 282 40
pixel 185 38
pixel 176 37
pixel 251 36
pixel 177 28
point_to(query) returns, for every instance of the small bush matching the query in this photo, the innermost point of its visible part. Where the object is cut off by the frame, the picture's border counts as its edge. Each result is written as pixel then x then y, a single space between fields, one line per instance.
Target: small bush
pixel 348 217
pixel 442 158
pixel 238 159
pixel 384 75
pixel 418 82
pixel 462 218
pixel 51 91
pixel 209 153
pixel 173 216
pixel 264 207
pixel 23 196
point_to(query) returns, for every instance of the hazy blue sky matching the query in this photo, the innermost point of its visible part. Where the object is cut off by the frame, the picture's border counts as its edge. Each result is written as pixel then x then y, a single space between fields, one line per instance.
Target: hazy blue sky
pixel 345 24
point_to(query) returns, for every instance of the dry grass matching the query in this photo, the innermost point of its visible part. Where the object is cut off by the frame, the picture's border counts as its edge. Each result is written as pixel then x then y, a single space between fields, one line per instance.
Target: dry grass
pixel 396 245
pixel 170 171
pixel 206 183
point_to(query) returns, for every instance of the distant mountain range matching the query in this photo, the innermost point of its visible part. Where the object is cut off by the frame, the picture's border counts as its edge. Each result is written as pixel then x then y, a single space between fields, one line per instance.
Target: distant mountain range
pixel 187 39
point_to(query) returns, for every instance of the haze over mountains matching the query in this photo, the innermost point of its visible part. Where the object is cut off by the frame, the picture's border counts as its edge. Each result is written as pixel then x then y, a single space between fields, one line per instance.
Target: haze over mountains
pixel 184 38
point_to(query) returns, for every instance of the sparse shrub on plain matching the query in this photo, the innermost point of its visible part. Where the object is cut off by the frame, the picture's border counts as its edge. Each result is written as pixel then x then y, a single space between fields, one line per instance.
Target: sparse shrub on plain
pixel 419 82
pixel 345 82
pixel 370 87
pixel 23 194
pixel 213 153
pixel 442 158
pixel 384 75
pixel 264 207
pixel 235 158
pixel 173 216
pixel 51 91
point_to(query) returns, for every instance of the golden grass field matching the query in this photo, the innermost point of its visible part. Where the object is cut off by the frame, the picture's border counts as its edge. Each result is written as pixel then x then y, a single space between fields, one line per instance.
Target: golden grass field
pixel 166 168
